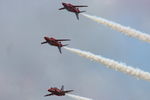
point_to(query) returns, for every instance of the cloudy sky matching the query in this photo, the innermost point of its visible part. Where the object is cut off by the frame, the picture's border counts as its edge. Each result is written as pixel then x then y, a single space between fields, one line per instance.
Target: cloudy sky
pixel 28 69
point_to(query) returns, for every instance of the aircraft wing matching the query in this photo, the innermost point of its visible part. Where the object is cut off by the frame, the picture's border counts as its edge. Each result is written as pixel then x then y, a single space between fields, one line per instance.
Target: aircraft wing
pixel 61 8
pixel 80 6
pixel 43 42
pixel 47 95
pixel 63 40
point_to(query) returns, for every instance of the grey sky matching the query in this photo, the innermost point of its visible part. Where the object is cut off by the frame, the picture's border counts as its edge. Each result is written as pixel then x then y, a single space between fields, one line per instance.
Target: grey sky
pixel 28 69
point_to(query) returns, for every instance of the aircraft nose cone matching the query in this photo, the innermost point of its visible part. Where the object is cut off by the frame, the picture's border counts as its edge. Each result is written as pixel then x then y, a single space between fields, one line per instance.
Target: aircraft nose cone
pixel 49 90
pixel 45 38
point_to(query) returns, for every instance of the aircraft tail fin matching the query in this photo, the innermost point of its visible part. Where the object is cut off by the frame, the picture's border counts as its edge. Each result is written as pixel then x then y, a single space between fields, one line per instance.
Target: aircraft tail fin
pixel 59 48
pixel 77 15
pixel 62 87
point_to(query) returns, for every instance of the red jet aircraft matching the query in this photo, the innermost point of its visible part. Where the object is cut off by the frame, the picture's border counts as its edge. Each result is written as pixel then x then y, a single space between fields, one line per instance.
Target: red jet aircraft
pixel 55 42
pixel 57 92
pixel 73 8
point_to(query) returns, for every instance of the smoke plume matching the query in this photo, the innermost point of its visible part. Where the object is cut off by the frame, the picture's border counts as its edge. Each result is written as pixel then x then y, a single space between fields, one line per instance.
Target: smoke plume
pixel 113 64
pixel 78 97
pixel 126 30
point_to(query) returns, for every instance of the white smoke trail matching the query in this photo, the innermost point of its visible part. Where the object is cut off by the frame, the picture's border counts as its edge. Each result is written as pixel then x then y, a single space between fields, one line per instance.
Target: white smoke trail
pixel 126 30
pixel 78 97
pixel 112 64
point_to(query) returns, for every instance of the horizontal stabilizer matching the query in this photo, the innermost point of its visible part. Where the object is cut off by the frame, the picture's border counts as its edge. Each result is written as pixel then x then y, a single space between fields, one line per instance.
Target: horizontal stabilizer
pixel 80 6
pixel 65 44
pixel 68 91
pixel 63 40
pixel 82 11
